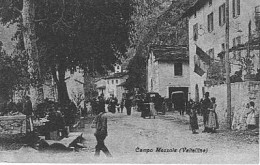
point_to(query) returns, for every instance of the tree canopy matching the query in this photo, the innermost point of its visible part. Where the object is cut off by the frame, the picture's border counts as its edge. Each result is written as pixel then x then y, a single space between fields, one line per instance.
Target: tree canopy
pixel 89 34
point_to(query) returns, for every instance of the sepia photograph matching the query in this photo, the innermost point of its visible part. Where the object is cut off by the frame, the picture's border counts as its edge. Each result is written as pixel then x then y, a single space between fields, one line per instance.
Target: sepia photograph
pixel 129 81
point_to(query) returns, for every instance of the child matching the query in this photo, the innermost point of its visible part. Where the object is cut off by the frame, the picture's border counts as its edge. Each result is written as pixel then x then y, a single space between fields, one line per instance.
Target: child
pixel 193 118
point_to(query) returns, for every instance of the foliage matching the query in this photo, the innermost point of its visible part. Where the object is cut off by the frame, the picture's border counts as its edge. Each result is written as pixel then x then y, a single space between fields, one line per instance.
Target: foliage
pixel 156 22
pixel 13 73
pixel 247 63
pixel 90 34
pixel 215 72
pixel 77 98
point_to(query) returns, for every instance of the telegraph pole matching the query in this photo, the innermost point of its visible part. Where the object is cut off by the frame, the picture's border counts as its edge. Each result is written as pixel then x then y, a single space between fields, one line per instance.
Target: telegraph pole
pixel 227 65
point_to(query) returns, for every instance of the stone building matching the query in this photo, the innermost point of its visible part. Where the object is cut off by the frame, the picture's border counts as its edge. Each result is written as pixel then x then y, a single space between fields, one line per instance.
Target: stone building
pixel 168 70
pixel 207 23
pixel 112 84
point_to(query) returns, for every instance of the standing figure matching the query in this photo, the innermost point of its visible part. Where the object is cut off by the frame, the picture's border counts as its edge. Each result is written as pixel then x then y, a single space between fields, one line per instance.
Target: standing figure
pixel 204 108
pixel 122 104
pixel 193 117
pixel 28 111
pixel 128 105
pixel 100 124
pixel 251 116
pixel 100 104
pixel 212 123
pixel 112 104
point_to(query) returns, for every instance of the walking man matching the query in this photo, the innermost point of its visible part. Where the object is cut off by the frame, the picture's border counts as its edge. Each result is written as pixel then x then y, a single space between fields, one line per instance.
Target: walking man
pixel 100 124
pixel 204 107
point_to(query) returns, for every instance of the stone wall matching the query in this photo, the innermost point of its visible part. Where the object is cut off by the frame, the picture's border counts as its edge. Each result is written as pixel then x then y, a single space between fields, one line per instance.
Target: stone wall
pixel 12 124
pixel 241 93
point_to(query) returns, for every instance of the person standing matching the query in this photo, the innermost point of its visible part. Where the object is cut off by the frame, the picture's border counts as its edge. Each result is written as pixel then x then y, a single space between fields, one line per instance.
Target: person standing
pixel 204 108
pixel 112 104
pixel 100 104
pixel 193 117
pixel 251 116
pixel 128 105
pixel 212 123
pixel 100 125
pixel 122 104
pixel 28 111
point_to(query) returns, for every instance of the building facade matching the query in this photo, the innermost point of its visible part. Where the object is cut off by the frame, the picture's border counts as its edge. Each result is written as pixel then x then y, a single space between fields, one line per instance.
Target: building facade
pixel 168 70
pixel 207 24
pixel 112 84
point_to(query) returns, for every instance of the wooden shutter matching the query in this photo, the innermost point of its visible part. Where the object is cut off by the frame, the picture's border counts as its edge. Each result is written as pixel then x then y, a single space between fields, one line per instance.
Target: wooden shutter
pixel 234 7
pixel 219 17
pixel 238 7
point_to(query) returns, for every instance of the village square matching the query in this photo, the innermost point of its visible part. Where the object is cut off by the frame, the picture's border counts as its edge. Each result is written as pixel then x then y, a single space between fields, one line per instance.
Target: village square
pixel 151 81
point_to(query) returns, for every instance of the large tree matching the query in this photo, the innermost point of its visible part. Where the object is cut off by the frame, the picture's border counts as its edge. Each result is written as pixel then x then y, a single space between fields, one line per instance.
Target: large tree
pixel 89 34
pixel 23 12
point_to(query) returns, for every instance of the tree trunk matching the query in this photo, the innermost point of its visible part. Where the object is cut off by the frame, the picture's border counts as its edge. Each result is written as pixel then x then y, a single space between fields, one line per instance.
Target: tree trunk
pixel 29 37
pixel 63 96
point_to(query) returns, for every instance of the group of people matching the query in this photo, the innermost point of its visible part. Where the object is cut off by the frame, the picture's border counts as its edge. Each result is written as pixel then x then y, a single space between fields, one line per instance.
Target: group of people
pixel 23 106
pixel 113 104
pixel 208 110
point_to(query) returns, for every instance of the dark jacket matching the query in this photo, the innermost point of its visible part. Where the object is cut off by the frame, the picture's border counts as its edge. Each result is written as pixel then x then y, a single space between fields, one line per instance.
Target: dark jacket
pixel 100 123
pixel 27 108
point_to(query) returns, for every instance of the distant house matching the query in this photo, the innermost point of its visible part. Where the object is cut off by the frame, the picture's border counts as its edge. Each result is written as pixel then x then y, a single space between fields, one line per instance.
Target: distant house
pixel 168 70
pixel 113 84
pixel 207 24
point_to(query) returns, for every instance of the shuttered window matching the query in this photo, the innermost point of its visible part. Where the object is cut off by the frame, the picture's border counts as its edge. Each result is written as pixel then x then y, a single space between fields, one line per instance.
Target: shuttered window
pixel 195 32
pixel 178 69
pixel 236 8
pixel 210 22
pixel 222 14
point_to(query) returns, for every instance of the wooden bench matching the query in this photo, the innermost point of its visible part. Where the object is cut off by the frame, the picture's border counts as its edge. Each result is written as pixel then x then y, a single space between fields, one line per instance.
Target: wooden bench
pixel 73 138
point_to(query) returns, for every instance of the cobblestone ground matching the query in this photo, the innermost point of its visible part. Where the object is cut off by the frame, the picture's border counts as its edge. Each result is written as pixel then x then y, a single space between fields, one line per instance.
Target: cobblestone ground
pixel 128 133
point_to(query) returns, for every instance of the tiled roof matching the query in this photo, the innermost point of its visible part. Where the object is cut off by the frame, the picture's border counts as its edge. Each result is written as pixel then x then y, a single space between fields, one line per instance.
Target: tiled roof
pixel 197 4
pixel 116 75
pixel 170 53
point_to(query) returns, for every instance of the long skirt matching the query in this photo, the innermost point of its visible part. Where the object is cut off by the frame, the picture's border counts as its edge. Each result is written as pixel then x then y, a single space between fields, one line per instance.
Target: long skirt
pixel 194 122
pixel 212 120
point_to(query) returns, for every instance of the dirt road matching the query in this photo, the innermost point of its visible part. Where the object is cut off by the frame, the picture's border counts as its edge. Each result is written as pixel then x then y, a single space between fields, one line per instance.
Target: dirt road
pixel 133 139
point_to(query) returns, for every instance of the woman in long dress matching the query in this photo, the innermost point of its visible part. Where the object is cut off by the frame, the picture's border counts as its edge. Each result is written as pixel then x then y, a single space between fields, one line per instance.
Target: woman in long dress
pixel 193 117
pixel 251 119
pixel 212 119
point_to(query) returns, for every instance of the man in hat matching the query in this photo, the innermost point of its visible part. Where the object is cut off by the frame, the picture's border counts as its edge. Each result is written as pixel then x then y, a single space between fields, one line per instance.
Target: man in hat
pixel 204 108
pixel 100 124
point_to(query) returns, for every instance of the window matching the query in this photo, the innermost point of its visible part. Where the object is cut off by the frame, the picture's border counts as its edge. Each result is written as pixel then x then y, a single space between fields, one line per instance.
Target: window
pixel 107 81
pixel 195 32
pixel 236 53
pixel 236 8
pixel 117 67
pixel 116 81
pixel 210 22
pixel 178 69
pixel 222 14
pixel 195 14
pixel 210 2
pixel 112 81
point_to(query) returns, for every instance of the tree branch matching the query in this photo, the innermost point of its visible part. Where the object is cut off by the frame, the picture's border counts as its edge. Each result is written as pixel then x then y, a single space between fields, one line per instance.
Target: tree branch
pixel 15 9
pixel 41 20
pixel 79 81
